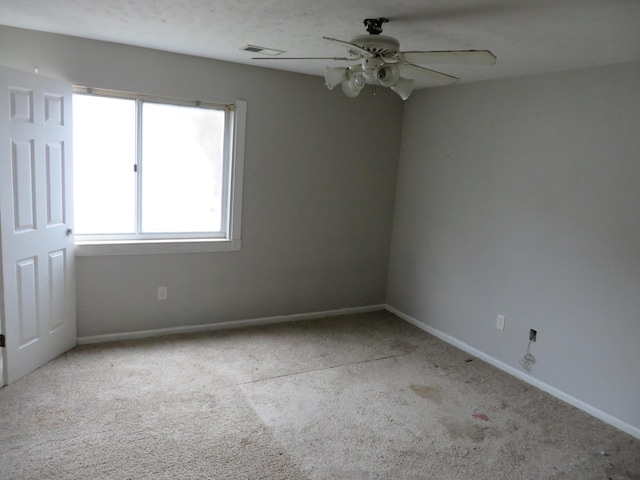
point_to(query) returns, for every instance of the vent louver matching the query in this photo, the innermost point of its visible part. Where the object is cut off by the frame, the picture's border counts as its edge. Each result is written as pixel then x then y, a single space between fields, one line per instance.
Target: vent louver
pixel 262 50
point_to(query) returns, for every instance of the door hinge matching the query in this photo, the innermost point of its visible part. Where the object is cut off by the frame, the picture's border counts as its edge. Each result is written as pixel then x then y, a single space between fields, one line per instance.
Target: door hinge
pixel 2 341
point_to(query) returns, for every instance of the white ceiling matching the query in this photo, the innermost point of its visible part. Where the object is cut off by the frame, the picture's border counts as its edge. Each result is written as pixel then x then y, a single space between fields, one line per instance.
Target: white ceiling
pixel 527 36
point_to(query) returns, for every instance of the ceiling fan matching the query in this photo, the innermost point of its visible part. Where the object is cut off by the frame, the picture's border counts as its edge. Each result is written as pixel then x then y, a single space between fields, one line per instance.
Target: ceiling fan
pixel 382 63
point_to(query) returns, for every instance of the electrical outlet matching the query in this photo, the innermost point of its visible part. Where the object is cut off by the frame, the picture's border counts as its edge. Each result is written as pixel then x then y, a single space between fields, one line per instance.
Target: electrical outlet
pixel 500 322
pixel 532 335
pixel 162 293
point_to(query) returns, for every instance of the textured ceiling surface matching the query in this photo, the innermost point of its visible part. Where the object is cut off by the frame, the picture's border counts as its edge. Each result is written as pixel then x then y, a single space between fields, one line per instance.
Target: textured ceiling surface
pixel 527 36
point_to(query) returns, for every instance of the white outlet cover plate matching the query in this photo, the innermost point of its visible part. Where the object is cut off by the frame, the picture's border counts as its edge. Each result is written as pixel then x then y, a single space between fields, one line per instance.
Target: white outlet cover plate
pixel 500 322
pixel 162 293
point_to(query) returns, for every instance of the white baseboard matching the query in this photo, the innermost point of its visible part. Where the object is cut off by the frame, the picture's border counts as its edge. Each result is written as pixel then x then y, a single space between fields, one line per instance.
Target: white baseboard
pixel 605 417
pixel 111 337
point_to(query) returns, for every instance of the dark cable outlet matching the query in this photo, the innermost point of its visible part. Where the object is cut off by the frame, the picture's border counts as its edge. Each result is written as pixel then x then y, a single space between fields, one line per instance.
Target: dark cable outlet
pixel 532 335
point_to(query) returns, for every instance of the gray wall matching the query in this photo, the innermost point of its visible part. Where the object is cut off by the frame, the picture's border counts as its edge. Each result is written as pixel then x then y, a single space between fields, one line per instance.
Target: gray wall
pixel 320 176
pixel 521 197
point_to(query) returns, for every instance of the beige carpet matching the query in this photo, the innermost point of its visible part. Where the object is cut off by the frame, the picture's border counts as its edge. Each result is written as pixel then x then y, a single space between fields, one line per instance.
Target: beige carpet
pixel 354 397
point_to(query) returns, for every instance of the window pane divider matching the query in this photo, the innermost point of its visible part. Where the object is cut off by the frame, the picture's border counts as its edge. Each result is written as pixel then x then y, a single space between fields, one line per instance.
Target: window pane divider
pixel 139 165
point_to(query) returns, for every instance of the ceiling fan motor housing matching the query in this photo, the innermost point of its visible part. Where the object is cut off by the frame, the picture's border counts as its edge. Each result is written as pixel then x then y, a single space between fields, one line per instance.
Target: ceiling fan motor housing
pixel 380 45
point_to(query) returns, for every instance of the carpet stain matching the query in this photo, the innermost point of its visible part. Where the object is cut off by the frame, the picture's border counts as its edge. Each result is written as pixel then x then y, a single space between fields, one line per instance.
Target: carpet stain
pixel 405 347
pixel 464 430
pixel 430 393
pixel 481 416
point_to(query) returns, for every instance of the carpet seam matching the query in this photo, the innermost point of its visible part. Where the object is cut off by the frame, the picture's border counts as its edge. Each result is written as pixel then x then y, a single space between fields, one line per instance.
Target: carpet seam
pixel 321 369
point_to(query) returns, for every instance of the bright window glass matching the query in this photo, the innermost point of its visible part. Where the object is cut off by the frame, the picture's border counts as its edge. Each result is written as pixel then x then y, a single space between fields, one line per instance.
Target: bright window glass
pixel 104 154
pixel 182 168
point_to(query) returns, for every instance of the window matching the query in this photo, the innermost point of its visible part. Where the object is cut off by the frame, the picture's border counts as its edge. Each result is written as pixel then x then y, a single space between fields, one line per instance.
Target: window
pixel 154 174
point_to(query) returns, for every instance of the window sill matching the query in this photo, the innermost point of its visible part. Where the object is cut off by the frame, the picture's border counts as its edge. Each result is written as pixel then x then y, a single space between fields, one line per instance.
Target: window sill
pixel 145 247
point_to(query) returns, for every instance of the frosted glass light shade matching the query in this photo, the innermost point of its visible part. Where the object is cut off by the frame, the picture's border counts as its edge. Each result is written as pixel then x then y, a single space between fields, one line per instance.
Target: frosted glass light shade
pixel 388 75
pixel 334 76
pixel 404 87
pixel 352 87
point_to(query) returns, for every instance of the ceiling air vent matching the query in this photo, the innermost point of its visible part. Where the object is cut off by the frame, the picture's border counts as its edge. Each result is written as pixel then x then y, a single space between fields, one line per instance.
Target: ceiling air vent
pixel 262 50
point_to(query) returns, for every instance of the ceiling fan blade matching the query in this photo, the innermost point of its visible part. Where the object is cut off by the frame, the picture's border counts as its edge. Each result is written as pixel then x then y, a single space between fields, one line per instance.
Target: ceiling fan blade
pixel 306 58
pixel 352 47
pixel 425 75
pixel 451 57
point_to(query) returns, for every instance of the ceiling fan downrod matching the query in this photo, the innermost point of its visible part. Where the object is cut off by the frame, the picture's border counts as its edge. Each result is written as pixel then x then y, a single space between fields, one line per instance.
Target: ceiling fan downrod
pixel 374 25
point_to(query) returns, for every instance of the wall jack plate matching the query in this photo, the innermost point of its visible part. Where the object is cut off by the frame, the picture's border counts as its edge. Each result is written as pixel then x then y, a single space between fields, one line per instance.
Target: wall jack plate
pixel 500 322
pixel 532 335
pixel 162 293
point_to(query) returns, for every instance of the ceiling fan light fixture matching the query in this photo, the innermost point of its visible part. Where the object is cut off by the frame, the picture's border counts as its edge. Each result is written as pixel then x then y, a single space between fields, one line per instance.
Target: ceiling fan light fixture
pixel 354 84
pixel 335 76
pixel 403 88
pixel 388 75
pixel 370 68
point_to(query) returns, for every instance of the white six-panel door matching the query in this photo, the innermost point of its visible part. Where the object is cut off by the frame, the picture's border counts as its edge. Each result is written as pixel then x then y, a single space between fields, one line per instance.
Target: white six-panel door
pixel 37 305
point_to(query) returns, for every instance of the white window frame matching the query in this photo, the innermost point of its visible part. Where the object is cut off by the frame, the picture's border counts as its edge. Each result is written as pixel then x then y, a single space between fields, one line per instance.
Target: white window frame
pixel 227 240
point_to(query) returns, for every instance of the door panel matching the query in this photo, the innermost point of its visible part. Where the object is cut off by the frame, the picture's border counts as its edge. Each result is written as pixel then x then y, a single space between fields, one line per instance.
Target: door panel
pixel 21 104
pixel 23 163
pixel 57 281
pixel 54 109
pixel 37 302
pixel 27 300
pixel 55 183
